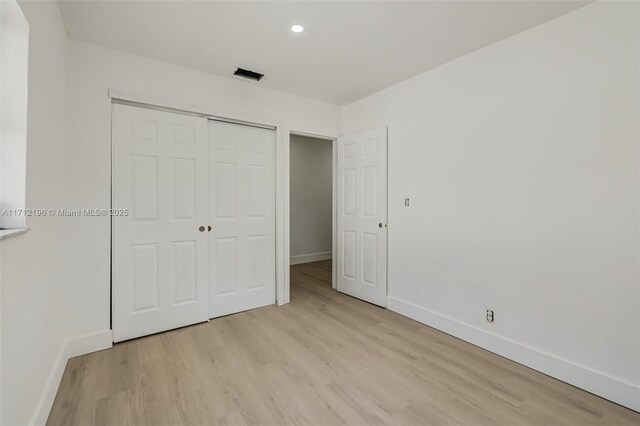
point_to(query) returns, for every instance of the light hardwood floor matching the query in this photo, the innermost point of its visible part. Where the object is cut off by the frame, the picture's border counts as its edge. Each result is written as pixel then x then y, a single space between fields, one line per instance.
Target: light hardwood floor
pixel 324 359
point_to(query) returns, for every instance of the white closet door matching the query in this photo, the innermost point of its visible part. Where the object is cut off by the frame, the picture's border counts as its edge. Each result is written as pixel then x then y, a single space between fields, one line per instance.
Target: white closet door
pixel 159 254
pixel 362 216
pixel 242 213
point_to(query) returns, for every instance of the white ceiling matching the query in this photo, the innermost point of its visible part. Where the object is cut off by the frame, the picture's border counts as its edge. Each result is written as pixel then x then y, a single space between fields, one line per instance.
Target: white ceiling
pixel 348 51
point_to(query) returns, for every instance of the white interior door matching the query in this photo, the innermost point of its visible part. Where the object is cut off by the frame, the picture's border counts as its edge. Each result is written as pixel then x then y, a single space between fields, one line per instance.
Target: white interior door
pixel 159 253
pixel 242 213
pixel 362 216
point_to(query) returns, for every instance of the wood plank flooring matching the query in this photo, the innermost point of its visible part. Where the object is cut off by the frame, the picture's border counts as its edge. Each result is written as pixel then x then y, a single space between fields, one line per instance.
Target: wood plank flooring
pixel 324 359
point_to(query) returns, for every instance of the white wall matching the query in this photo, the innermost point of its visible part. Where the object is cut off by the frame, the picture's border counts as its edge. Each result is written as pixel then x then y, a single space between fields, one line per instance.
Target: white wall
pixel 92 71
pixel 311 185
pixel 521 163
pixel 32 275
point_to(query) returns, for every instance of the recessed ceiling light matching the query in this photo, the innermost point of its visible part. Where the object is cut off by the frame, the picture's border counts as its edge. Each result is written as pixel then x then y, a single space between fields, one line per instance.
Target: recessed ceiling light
pixel 297 28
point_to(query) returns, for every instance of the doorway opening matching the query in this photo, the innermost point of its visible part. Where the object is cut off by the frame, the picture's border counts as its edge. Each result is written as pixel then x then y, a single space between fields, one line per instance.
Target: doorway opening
pixel 312 218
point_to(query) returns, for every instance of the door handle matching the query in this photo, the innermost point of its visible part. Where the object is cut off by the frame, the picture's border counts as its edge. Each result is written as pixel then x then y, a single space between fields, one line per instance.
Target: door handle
pixel 380 225
pixel 209 228
pixel 201 229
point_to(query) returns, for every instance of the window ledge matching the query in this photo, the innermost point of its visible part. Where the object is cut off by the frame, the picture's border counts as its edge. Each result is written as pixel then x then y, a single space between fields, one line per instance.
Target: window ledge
pixel 13 232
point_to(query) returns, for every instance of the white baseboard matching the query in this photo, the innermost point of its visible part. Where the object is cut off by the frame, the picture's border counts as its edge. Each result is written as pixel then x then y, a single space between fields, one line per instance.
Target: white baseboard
pixel 611 388
pixel 313 257
pixel 89 343
pixel 70 348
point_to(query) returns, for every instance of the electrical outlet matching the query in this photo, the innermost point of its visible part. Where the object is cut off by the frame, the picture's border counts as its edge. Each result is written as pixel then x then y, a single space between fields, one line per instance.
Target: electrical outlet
pixel 489 315
pixel 406 202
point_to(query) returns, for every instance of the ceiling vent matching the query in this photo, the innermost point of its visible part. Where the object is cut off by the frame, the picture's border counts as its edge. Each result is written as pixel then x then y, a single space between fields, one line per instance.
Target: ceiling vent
pixel 251 75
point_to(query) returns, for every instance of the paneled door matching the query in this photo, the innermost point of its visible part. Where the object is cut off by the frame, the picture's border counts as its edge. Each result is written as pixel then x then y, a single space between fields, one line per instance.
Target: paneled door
pixel 242 215
pixel 159 250
pixel 362 216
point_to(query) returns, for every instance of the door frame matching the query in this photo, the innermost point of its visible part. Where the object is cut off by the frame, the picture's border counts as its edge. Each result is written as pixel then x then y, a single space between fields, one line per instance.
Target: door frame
pixel 281 166
pixel 334 194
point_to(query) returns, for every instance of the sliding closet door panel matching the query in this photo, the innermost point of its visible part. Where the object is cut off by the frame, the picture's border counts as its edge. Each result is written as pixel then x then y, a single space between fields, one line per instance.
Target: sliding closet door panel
pixel 242 216
pixel 159 255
